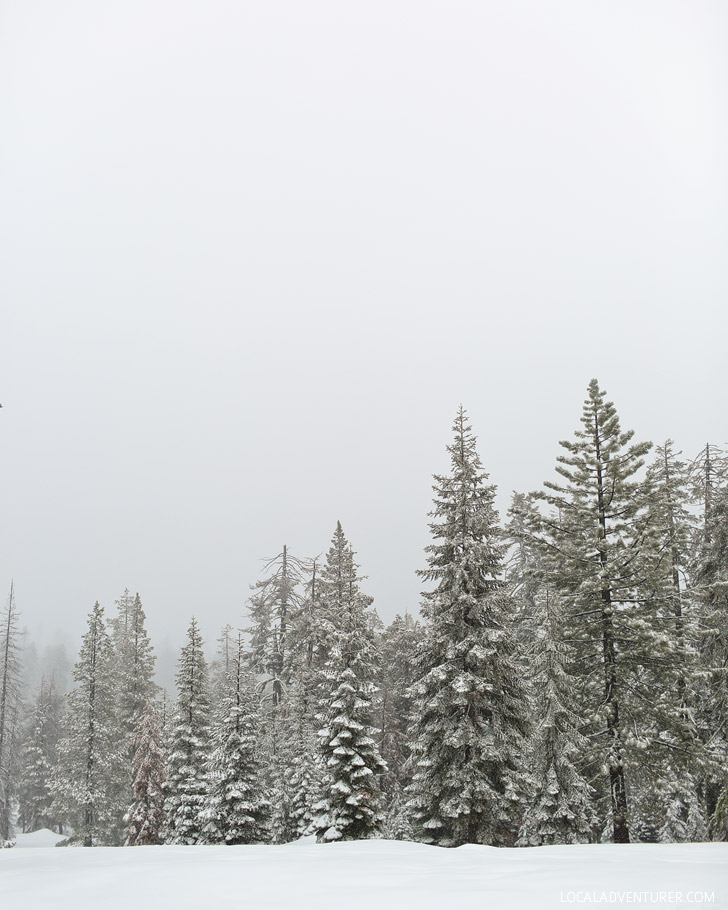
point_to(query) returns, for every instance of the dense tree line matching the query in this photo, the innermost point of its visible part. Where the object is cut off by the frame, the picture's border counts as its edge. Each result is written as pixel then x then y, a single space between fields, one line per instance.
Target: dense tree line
pixel 566 682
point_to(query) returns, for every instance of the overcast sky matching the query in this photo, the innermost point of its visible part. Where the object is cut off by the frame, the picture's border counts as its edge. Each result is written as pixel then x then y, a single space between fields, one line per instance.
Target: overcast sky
pixel 254 255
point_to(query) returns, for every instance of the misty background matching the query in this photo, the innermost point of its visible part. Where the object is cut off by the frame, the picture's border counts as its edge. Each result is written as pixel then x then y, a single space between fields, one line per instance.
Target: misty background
pixel 254 255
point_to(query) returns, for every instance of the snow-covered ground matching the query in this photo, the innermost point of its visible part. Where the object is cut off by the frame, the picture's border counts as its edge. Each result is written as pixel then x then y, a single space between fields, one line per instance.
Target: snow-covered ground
pixel 376 875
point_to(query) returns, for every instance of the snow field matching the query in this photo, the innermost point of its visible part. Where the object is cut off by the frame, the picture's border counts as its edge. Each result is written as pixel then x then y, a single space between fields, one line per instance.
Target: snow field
pixel 363 875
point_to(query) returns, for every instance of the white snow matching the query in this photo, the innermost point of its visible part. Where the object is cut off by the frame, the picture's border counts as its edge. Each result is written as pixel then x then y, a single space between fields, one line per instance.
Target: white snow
pixel 376 875
pixel 43 837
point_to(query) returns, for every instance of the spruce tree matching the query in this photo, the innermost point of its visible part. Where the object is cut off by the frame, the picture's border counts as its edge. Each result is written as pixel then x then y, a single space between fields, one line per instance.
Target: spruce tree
pixel 350 807
pixel 470 702
pixel 235 810
pixel 88 779
pixel 186 785
pixel 145 817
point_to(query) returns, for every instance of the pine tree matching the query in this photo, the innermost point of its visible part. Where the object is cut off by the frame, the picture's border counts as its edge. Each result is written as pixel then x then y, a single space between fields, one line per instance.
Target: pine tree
pixel 145 817
pixel 596 546
pixel 670 794
pixel 275 598
pixel 470 703
pixel 350 807
pixel 561 810
pixel 90 769
pixel 10 696
pixel 186 785
pixel 135 660
pixel 236 810
pixel 40 755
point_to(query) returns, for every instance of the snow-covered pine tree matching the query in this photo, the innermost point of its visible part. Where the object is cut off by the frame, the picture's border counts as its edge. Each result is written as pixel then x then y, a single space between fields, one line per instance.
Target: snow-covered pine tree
pixel 236 810
pixel 275 601
pixel 39 757
pixel 470 703
pixel 350 807
pixel 10 696
pixel 708 477
pixel 87 782
pixel 275 598
pixel 145 817
pixel 561 809
pixel 309 630
pixel 670 799
pixel 186 785
pixel 596 548
pixel 135 660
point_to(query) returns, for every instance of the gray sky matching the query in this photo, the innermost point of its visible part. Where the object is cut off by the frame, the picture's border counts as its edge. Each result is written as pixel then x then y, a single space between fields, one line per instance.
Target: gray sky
pixel 253 255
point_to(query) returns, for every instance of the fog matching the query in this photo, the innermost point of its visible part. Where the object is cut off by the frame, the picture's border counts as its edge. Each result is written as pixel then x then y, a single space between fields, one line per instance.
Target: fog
pixel 254 255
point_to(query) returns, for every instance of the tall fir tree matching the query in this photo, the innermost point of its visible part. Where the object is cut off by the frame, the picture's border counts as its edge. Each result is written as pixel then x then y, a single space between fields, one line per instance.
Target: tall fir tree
pixel 273 605
pixel 186 785
pixel 599 547
pixel 10 699
pixel 87 783
pixel 350 807
pixel 145 817
pixel 470 702
pixel 236 810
